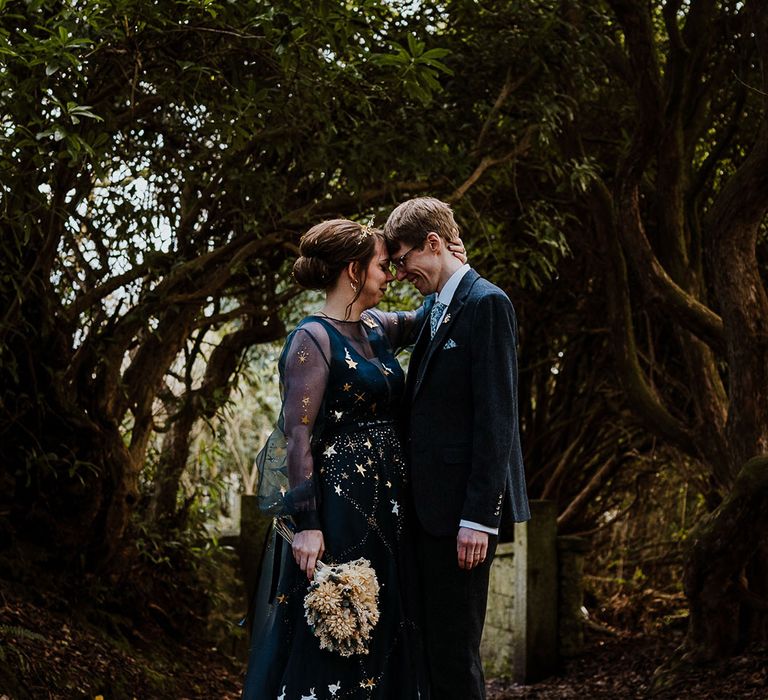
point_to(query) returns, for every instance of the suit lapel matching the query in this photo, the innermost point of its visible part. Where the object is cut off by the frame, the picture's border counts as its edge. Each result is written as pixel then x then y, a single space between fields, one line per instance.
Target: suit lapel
pixel 419 348
pixel 430 347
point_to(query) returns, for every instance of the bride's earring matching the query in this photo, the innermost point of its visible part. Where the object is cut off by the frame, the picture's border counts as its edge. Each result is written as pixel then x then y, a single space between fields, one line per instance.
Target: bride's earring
pixel 353 284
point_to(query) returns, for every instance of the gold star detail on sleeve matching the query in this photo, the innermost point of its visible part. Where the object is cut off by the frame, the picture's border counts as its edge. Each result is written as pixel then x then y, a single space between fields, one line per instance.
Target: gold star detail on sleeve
pixel 306 401
pixel 367 443
pixel 347 387
pixel 305 419
pixel 368 321
pixel 345 476
pixel 370 462
pixel 302 355
pixel 330 450
pixel 368 683
pixel 338 414
pixel 389 484
pixel 337 489
pixel 282 598
pixel 360 468
pixel 360 397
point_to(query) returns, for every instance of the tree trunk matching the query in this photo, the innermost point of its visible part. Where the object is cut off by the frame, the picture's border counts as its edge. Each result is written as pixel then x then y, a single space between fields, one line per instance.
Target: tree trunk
pixel 202 403
pixel 714 577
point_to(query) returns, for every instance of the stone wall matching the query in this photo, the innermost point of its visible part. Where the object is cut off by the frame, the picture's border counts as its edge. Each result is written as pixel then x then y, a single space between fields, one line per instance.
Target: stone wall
pixel 533 617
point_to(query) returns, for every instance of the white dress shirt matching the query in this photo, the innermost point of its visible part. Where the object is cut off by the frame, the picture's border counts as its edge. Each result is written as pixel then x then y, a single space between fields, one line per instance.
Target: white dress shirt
pixel 446 297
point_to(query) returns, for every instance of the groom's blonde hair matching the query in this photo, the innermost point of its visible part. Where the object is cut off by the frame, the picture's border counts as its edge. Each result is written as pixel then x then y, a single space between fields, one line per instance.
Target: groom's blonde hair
pixel 411 221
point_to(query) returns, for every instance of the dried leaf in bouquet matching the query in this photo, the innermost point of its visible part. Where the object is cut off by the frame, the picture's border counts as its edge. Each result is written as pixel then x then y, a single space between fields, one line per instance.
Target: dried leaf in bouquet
pixel 342 605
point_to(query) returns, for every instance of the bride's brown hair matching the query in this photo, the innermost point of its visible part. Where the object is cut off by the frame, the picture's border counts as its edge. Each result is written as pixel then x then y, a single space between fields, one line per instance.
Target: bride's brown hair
pixel 328 247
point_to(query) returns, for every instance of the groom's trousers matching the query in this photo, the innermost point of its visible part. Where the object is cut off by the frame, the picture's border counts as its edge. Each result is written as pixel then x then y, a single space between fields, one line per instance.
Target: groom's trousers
pixel 453 602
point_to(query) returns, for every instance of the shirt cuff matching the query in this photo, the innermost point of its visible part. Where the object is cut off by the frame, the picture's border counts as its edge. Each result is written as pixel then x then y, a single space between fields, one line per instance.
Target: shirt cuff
pixel 477 526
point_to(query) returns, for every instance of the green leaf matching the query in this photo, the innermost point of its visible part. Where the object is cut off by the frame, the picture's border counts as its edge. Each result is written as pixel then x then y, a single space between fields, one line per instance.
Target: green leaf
pixel 415 46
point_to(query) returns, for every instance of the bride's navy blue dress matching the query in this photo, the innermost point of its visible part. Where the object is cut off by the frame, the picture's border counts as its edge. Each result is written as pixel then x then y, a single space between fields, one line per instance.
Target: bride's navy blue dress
pixel 342 388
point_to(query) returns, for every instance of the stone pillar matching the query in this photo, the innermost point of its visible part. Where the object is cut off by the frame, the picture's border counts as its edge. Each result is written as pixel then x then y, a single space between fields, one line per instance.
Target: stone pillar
pixel 520 634
pixel 571 551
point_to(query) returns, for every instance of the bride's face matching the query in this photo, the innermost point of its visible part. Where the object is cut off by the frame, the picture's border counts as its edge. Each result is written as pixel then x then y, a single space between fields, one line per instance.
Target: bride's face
pixel 377 277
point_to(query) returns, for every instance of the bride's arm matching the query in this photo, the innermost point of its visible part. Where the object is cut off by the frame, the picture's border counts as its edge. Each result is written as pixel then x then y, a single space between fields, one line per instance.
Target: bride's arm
pixel 305 377
pixel 400 327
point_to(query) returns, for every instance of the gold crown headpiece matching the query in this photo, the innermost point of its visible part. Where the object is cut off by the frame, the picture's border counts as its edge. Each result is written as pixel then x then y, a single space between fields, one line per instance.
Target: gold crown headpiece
pixel 365 230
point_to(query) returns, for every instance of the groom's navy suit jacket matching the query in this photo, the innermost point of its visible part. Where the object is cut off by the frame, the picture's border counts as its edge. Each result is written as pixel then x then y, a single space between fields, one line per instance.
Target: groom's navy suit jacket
pixel 461 414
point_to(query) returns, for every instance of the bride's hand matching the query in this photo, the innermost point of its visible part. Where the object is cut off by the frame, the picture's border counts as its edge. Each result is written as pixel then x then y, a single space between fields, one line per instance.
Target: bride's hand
pixel 458 250
pixel 308 546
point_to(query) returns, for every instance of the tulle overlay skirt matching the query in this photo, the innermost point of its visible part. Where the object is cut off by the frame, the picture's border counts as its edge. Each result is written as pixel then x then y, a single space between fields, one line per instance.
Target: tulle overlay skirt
pixel 362 476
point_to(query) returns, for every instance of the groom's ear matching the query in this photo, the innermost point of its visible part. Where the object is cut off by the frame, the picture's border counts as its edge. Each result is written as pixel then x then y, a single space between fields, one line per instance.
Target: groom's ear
pixel 433 241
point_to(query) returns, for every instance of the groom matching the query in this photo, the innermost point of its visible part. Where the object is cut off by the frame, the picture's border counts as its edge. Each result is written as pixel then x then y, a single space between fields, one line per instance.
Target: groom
pixel 463 440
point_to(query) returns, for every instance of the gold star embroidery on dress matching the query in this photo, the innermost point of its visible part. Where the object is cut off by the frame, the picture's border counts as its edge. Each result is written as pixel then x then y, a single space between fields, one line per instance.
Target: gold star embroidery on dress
pixel 347 387
pixel 338 490
pixel 338 414
pixel 389 484
pixel 282 598
pixel 306 401
pixel 368 683
pixel 360 397
pixel 361 469
pixel 330 450
pixel 367 443
pixel 348 359
pixel 302 355
pixel 345 476
pixel 370 462
pixel 305 419
pixel 368 321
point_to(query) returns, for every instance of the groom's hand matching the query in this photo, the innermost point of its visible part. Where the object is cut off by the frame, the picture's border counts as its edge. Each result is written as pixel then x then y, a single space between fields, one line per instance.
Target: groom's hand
pixel 472 547
pixel 308 546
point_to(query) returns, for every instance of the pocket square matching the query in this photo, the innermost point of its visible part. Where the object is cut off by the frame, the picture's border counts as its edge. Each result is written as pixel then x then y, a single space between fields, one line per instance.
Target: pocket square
pixel 450 343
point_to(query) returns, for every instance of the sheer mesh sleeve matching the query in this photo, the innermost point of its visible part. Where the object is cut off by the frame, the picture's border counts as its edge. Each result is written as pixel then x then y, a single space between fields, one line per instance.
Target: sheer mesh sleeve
pixel 401 327
pixel 305 377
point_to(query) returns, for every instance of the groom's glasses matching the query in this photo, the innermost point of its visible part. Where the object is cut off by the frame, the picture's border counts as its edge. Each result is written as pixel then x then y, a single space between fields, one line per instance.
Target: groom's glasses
pixel 399 263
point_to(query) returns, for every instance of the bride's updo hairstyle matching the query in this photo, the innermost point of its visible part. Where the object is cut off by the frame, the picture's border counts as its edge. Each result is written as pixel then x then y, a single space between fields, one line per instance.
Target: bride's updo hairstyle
pixel 327 248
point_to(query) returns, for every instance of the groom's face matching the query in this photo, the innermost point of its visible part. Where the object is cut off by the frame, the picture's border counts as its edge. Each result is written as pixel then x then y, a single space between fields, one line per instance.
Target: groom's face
pixel 420 266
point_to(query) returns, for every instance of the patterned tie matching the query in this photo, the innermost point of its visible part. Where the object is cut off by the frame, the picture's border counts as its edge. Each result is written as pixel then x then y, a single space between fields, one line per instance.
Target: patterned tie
pixel 434 317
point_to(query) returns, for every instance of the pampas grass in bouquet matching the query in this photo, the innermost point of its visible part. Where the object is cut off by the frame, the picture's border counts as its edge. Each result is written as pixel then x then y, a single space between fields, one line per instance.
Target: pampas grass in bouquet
pixel 342 606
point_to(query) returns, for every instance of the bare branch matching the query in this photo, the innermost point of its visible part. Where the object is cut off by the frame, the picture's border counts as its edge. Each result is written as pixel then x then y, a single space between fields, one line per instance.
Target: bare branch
pixel 489 162
pixel 509 87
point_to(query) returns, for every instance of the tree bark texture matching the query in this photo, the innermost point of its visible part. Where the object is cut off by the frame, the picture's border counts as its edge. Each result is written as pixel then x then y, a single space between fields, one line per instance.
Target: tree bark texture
pixel 697 263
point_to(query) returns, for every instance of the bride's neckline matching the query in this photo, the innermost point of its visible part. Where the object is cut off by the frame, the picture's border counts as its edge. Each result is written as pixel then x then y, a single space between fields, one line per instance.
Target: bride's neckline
pixel 322 314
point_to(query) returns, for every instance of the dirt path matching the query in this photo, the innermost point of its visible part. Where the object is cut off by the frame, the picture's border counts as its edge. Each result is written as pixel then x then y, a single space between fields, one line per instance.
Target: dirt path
pixel 50 652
